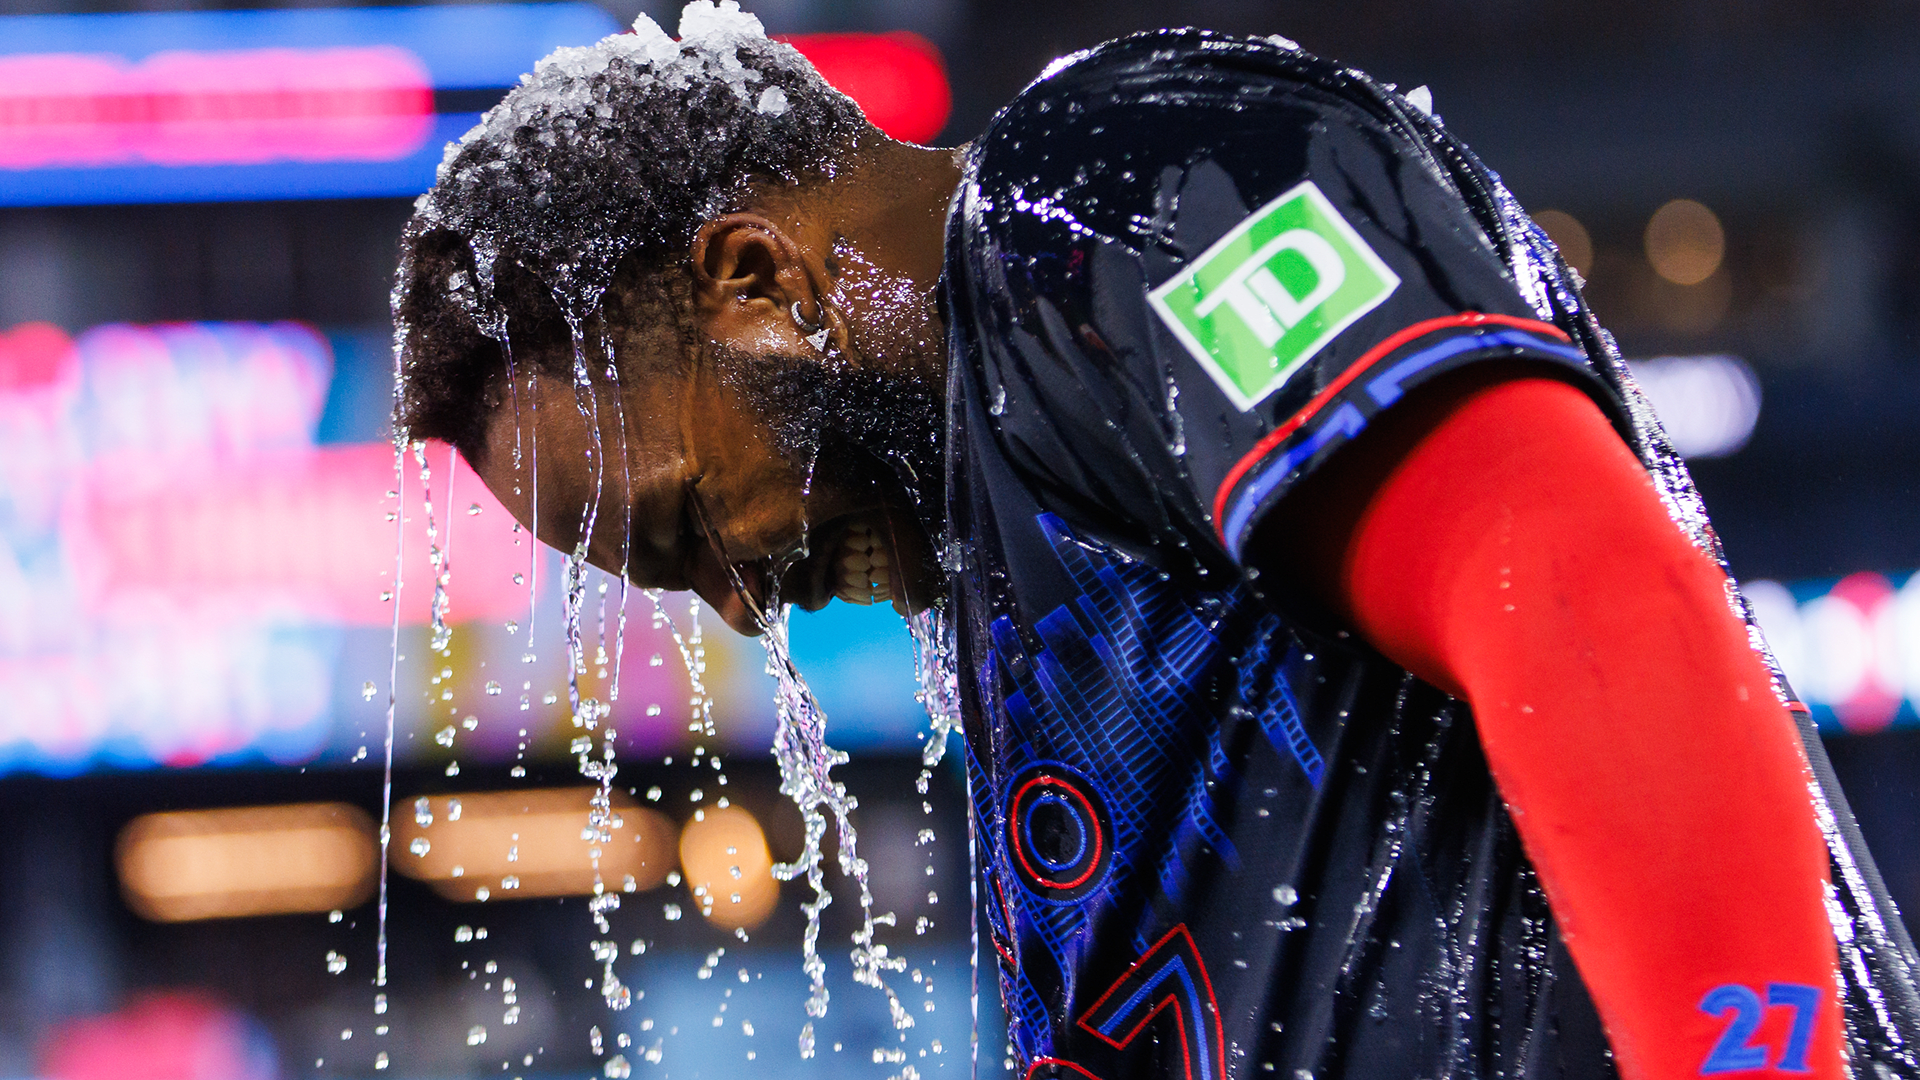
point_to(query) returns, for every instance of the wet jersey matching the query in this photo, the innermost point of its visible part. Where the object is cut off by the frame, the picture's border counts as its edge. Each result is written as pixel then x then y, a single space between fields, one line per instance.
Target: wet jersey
pixel 1218 840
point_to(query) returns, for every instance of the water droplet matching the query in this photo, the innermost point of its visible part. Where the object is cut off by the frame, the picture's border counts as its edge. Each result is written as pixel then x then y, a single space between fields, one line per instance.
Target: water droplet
pixel 335 963
pixel 617 1068
pixel 519 579
pixel 482 893
pixel 1285 894
pixel 336 915
pixel 445 735
pixel 671 911
pixel 653 793
pixel 511 881
pixel 379 1004
pixel 346 1034
pixel 422 812
pixel 492 688
pixel 476 1035
pixel 420 846
pixel 453 809
pixel 474 509
pixel 367 690
pixel 380 1060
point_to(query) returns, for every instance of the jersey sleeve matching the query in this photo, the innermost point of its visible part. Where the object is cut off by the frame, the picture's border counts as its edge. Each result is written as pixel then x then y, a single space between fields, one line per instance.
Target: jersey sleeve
pixel 1193 277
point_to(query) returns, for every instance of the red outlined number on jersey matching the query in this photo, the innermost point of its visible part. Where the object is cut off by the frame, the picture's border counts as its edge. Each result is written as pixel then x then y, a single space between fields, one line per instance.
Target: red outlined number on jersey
pixel 1741 1007
pixel 1169 979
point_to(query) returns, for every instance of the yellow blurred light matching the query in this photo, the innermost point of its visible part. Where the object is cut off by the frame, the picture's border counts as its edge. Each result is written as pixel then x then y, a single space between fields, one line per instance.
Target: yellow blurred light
pixel 728 868
pixel 524 844
pixel 1685 242
pixel 1571 237
pixel 255 860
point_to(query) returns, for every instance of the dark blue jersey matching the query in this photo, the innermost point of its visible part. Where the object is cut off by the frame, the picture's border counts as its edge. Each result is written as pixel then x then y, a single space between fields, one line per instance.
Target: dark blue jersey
pixel 1218 840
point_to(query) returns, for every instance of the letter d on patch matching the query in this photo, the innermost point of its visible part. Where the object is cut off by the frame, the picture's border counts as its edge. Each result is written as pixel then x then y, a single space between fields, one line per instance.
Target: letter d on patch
pixel 1259 303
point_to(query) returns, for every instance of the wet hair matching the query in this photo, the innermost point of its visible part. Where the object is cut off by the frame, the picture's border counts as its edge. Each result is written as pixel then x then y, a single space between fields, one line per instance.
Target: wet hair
pixel 587 184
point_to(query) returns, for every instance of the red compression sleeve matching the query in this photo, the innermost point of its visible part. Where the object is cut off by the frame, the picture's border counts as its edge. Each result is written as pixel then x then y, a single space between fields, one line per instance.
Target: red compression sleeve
pixel 1507 546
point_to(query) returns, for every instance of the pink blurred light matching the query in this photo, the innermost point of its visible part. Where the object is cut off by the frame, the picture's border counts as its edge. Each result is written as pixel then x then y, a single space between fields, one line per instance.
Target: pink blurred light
pixel 238 107
pixel 169 1036
pixel 36 355
pixel 1875 697
pixel 300 534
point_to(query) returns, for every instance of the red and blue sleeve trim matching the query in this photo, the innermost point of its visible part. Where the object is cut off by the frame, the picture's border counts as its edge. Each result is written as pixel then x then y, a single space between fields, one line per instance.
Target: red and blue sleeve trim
pixel 1389 369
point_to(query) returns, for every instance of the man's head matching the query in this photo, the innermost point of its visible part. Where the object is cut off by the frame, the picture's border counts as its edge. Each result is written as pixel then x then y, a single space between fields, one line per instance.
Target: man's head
pixel 710 279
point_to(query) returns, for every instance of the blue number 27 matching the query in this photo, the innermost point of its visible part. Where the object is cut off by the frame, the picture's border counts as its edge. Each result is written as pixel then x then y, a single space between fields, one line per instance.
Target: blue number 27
pixel 1733 1053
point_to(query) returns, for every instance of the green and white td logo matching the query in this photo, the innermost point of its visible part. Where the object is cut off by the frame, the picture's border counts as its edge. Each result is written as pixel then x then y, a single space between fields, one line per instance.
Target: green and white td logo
pixel 1272 292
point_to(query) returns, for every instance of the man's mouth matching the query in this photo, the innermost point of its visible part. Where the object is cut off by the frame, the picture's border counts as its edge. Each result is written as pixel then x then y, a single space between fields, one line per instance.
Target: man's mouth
pixel 864 566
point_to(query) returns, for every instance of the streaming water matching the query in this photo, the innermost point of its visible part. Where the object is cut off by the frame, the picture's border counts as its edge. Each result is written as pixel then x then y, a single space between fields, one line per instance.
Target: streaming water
pixel 575 274
pixel 806 761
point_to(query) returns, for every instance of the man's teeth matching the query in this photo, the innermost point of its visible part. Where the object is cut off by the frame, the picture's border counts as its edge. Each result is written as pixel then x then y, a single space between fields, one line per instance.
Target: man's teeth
pixel 864 574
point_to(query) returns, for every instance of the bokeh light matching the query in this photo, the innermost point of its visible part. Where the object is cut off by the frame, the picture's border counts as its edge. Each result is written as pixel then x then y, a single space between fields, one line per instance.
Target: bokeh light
pixel 181 866
pixel 1685 242
pixel 729 869
pixel 524 844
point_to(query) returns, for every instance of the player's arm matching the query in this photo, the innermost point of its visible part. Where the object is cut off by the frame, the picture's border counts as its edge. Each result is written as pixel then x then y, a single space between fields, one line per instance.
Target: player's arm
pixel 1498 539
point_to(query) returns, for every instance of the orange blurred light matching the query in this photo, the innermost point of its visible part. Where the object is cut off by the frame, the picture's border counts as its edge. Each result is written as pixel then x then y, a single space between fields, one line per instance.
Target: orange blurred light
pixel 1685 242
pixel 728 868
pixel 523 844
pixel 899 79
pixel 256 860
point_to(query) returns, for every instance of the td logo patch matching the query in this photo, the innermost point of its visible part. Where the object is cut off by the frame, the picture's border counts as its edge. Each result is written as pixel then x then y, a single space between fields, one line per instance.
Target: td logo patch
pixel 1275 290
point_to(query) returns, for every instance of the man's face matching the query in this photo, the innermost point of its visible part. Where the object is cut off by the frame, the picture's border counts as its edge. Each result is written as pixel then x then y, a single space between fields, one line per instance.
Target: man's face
pixel 699 490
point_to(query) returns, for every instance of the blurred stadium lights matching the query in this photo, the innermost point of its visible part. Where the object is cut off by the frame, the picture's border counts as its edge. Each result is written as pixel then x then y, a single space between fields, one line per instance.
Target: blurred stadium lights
pixel 1849 648
pixel 176 1035
pixel 1684 242
pixel 523 844
pixel 187 865
pixel 205 106
pixel 1708 404
pixel 899 79
pixel 729 871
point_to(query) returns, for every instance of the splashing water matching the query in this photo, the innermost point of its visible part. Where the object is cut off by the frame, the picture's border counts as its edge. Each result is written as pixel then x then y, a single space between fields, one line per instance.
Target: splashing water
pixel 938 674
pixel 805 760
pixel 580 243
pixel 439 554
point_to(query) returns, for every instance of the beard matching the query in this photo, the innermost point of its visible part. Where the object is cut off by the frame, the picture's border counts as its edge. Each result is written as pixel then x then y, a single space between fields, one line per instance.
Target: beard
pixel 852 427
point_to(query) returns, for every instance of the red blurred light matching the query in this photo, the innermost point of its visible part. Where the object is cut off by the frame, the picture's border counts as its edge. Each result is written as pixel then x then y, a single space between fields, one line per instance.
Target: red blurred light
pixel 898 79
pixel 196 108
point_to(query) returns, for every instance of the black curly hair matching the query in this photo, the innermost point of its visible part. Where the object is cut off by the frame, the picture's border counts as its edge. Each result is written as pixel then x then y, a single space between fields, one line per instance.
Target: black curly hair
pixel 578 196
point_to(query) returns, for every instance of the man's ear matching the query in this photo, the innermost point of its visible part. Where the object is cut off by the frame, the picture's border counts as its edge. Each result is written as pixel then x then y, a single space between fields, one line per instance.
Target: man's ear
pixel 747 275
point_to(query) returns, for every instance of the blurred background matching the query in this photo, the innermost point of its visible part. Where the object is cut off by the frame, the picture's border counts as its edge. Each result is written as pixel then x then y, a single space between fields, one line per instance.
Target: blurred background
pixel 199 208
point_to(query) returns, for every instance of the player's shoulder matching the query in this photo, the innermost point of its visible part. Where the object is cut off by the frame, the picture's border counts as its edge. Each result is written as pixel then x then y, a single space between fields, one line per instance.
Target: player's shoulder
pixel 1103 143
